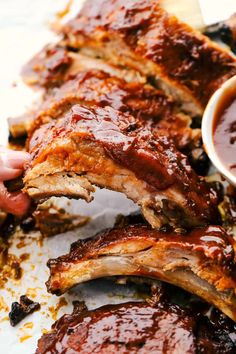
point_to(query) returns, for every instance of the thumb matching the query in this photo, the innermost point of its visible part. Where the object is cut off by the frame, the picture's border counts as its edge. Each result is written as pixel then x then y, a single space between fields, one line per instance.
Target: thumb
pixel 16 203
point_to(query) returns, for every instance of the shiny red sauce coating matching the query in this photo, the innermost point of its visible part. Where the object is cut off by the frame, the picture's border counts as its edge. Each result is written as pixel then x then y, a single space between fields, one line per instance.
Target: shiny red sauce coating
pixel 224 130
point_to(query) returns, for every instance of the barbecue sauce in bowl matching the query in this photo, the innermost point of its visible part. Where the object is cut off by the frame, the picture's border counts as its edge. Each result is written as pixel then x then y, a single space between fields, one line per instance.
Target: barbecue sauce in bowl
pixel 224 129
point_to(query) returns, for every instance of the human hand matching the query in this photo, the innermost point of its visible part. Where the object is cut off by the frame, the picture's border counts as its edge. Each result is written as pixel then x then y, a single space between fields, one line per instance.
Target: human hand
pixel 11 166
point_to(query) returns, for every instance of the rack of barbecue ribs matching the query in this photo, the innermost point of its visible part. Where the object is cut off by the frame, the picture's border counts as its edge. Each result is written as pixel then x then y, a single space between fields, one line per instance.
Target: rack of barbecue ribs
pixel 142 36
pixel 139 42
pixel 201 261
pixel 141 327
pixel 95 87
pixel 110 149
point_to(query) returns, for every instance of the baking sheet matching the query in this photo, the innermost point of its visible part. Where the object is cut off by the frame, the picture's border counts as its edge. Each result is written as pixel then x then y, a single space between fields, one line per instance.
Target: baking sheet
pixel 24 29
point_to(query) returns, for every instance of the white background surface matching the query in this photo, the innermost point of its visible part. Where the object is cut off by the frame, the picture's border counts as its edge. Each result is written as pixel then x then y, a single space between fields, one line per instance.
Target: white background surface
pixel 214 11
pixel 24 29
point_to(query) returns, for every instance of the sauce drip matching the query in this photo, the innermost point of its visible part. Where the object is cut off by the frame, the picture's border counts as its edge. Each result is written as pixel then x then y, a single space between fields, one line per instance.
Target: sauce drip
pixel 224 130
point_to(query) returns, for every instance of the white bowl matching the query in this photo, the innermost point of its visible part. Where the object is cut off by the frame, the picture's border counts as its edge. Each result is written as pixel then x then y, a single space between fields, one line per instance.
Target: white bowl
pixel 207 127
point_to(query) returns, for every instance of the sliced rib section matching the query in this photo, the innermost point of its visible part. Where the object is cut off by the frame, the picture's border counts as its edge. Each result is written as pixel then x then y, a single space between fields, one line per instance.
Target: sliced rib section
pixel 111 149
pixel 54 64
pixel 139 327
pixel 95 87
pixel 201 262
pixel 142 36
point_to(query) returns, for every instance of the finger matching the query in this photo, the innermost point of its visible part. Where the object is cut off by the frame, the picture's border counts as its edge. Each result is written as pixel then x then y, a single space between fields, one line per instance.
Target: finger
pixel 14 203
pixel 14 159
pixel 7 174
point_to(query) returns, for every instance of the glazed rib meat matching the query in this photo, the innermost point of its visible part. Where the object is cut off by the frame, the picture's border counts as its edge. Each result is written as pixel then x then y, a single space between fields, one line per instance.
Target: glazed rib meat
pixel 201 261
pixel 95 87
pixel 107 148
pixel 130 327
pixel 138 327
pixel 55 64
pixel 49 67
pixel 143 36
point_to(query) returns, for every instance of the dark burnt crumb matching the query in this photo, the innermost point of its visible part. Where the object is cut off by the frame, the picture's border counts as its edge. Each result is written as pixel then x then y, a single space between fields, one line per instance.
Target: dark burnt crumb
pixel 16 143
pixel 71 49
pixel 151 80
pixel 28 224
pixel 196 122
pixel 8 226
pixel 226 36
pixel 14 184
pixel 19 310
pixel 199 161
pixel 79 306
pixel 231 191
pixel 219 189
pixel 158 292
pixel 133 219
pixel 167 228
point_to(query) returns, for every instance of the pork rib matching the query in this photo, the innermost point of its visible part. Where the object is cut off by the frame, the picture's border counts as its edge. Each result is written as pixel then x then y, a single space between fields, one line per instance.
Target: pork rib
pixel 49 67
pixel 55 64
pixel 143 36
pixel 111 149
pixel 201 262
pixel 52 67
pixel 95 87
pixel 162 327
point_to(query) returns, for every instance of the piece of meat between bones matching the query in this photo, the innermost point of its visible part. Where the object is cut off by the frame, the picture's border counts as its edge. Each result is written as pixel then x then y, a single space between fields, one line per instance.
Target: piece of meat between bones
pixel 95 87
pixel 113 150
pixel 201 261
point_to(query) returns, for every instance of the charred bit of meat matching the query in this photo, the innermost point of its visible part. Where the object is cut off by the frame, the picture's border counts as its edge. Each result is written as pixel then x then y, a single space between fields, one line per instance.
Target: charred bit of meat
pixel 51 220
pixel 48 67
pixel 19 310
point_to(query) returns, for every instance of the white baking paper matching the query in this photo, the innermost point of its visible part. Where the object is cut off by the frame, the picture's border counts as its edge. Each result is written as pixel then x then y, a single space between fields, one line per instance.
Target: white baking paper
pixel 214 11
